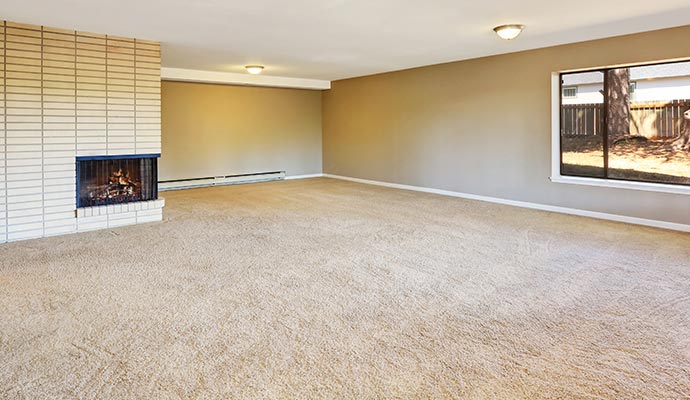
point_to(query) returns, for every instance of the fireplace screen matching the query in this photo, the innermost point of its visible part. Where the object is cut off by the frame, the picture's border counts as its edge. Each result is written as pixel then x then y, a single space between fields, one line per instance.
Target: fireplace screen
pixel 115 180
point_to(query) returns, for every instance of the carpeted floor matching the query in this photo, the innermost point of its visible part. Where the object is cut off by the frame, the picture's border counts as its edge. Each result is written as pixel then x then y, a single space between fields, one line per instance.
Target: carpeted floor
pixel 329 289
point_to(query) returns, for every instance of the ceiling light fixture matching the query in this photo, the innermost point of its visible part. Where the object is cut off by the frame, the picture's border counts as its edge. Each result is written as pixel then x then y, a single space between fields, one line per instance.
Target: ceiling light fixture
pixel 254 69
pixel 509 32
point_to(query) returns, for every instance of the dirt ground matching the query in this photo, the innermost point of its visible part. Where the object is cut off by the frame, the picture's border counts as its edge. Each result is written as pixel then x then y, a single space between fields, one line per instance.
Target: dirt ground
pixel 647 160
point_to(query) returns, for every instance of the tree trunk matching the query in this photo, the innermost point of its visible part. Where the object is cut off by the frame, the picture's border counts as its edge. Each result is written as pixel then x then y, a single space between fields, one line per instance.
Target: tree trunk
pixel 618 101
pixel 683 142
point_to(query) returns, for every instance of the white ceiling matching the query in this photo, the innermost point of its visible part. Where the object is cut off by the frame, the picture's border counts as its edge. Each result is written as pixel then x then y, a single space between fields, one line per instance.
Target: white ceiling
pixel 334 39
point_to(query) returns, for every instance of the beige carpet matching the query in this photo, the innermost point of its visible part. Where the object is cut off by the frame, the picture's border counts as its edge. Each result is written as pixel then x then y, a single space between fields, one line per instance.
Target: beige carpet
pixel 329 289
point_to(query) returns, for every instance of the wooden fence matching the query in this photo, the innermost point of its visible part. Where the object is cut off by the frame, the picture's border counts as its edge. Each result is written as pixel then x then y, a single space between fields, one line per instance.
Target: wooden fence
pixel 648 119
pixel 582 119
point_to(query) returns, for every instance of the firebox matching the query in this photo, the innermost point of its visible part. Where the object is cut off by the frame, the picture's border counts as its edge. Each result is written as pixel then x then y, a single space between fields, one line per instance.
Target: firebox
pixel 105 180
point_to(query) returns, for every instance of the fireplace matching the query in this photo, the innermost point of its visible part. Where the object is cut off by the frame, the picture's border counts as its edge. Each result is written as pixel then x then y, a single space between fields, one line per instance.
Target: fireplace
pixel 106 180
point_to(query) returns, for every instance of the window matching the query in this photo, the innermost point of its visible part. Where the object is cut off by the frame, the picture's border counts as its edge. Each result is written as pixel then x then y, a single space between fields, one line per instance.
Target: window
pixel 627 124
pixel 570 92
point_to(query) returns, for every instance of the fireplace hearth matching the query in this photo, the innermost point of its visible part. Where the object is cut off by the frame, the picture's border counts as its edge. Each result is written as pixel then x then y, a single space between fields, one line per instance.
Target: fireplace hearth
pixel 106 180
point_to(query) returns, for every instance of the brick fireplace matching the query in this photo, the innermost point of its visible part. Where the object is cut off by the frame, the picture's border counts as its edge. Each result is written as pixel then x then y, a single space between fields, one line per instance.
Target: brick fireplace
pixel 68 98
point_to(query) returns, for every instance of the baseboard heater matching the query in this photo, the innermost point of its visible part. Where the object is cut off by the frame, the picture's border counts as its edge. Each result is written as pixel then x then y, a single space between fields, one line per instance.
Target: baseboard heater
pixel 220 180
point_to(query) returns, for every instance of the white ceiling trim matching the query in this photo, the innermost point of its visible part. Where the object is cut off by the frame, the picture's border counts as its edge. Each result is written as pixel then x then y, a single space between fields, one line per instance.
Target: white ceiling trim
pixel 232 78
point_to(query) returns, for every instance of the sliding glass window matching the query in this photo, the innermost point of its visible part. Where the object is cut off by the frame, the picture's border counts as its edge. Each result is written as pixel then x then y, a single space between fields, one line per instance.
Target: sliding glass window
pixel 628 123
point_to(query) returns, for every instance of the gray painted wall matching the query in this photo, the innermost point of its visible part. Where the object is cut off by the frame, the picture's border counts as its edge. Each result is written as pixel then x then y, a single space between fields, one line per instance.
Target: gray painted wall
pixel 483 126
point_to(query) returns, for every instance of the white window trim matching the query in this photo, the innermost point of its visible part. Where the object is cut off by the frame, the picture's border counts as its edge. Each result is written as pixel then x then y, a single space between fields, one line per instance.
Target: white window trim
pixel 556 176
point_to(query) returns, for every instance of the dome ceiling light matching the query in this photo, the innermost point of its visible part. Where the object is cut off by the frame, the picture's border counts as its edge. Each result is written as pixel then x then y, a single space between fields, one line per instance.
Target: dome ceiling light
pixel 254 69
pixel 509 32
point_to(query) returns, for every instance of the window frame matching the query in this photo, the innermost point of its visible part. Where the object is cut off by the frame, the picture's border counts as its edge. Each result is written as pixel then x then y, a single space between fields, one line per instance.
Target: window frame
pixel 607 182
pixel 570 87
pixel 633 90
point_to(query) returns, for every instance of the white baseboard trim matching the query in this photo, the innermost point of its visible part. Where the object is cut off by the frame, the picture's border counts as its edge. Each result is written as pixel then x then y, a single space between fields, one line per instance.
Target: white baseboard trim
pixel 535 206
pixel 289 178
pixel 220 181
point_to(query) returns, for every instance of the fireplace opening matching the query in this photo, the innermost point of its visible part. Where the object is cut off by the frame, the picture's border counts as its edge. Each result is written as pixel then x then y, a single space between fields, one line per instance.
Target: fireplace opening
pixel 104 180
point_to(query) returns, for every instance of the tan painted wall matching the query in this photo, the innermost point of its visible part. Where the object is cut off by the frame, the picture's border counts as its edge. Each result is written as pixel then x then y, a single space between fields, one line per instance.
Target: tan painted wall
pixel 211 130
pixel 483 126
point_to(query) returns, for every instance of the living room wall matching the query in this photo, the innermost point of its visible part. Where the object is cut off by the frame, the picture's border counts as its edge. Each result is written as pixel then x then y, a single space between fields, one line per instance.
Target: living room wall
pixel 483 126
pixel 218 130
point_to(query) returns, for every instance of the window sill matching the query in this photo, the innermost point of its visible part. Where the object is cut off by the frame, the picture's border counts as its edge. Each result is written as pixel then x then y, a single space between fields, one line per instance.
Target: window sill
pixel 610 183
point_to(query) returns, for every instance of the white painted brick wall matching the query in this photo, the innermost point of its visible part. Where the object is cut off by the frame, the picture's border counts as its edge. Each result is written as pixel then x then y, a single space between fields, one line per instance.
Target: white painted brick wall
pixel 80 94
pixel 3 140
